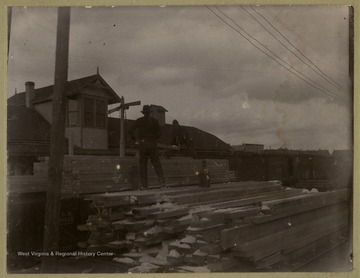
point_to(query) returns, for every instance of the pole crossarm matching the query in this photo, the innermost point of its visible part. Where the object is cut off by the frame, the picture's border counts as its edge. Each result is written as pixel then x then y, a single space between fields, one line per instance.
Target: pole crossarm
pixel 124 106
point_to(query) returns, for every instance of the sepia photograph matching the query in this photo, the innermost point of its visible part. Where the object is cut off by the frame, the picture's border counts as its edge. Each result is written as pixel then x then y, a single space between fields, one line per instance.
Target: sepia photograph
pixel 179 139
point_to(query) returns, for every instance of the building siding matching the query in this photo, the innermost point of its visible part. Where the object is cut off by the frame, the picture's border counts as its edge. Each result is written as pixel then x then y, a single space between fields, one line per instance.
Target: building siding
pixel 94 138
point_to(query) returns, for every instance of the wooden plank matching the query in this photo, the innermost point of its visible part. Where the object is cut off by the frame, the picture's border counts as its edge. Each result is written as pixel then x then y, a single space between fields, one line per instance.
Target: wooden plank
pixel 279 238
pixel 300 256
pixel 255 199
pixel 211 248
pixel 132 225
pixel 206 224
pixel 194 269
pixel 248 232
pixel 240 213
pixel 252 247
pixel 114 215
pixel 145 211
pixel 233 185
pixel 199 257
pixel 291 244
pixel 169 213
pixel 258 219
pixel 117 244
pixel 330 231
pixel 149 241
pixel 278 206
pixel 97 189
pixel 220 216
pixel 182 248
pixel 123 201
pixel 224 264
pixel 210 235
pixel 149 199
pixel 182 190
pixel 220 194
pixel 181 223
pixel 214 200
pixel 23 184
pixel 197 231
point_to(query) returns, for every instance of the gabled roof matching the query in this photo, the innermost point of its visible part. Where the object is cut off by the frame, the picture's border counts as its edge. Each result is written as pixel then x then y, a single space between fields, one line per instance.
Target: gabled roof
pixel 72 87
pixel 28 133
pixel 18 99
pixel 26 125
pixel 158 107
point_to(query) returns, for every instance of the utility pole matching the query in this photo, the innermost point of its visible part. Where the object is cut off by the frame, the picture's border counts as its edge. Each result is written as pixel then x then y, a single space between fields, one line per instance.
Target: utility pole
pixel 57 143
pixel 122 107
pixel 9 13
pixel 351 75
pixel 351 46
pixel 122 135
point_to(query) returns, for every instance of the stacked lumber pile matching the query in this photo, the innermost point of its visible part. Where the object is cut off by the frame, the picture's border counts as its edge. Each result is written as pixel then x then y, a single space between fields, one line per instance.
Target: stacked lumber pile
pixel 26 184
pixel 243 226
pixel 320 185
pixel 134 221
pixel 288 227
pixel 222 193
pixel 94 174
pixel 278 229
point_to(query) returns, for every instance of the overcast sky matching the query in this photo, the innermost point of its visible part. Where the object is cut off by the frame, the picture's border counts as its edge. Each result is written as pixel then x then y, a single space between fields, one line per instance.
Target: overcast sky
pixel 276 76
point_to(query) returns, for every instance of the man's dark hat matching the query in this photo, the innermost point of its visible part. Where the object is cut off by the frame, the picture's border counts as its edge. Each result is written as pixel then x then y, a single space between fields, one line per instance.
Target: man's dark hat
pixel 146 109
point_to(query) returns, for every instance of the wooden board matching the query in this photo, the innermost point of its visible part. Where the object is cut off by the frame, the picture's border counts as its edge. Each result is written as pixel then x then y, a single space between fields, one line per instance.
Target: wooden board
pixel 249 232
pixel 293 243
pixel 311 200
pixel 291 261
pixel 252 247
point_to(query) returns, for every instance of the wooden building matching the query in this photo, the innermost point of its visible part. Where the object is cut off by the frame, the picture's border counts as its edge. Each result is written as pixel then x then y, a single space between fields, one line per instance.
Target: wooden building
pixel 289 166
pixel 247 147
pixel 87 102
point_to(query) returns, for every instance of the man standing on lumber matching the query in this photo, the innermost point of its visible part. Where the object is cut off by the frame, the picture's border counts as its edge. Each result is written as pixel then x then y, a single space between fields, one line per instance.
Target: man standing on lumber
pixel 149 132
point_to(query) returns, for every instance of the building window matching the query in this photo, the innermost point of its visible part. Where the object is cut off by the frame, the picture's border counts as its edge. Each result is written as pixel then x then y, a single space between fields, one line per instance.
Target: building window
pixel 94 112
pixel 73 112
pixel 100 113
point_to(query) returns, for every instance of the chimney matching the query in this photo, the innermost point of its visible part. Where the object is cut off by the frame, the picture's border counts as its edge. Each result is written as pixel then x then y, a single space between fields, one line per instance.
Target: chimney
pixel 158 112
pixel 29 93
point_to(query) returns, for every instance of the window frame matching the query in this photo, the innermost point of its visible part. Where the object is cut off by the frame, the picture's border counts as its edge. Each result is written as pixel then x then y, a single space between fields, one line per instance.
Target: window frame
pixel 94 114
pixel 71 111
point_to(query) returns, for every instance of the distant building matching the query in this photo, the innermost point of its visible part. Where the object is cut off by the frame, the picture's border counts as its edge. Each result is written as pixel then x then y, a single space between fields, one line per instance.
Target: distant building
pixel 246 147
pixel 343 166
pixel 286 165
pixel 158 112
